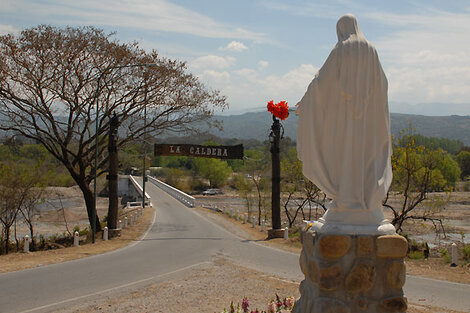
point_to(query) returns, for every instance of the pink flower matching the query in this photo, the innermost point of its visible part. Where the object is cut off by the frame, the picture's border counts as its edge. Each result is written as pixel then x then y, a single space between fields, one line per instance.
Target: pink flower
pixel 289 302
pixel 245 304
pixel 272 307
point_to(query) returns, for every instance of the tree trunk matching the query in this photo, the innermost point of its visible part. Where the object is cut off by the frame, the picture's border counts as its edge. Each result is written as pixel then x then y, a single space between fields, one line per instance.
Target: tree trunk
pixel 33 242
pixel 90 205
pixel 7 239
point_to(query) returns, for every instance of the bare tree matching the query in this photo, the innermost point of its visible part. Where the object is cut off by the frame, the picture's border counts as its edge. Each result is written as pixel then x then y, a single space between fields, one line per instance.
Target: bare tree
pixel 56 83
pixel 18 194
pixel 29 209
pixel 256 166
pixel 297 191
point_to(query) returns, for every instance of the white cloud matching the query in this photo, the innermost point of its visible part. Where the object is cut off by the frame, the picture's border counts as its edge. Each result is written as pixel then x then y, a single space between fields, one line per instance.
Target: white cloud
pixel 319 10
pixel 262 64
pixel 212 62
pixel 428 58
pixel 155 15
pixel 254 89
pixel 236 46
pixel 7 29
pixel 248 74
pixel 216 80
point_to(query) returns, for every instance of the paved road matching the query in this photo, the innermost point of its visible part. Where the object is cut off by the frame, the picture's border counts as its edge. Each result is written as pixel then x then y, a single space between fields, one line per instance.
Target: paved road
pixel 179 239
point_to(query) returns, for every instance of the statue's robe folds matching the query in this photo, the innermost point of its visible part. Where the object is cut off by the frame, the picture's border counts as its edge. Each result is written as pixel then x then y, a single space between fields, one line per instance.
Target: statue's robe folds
pixel 344 130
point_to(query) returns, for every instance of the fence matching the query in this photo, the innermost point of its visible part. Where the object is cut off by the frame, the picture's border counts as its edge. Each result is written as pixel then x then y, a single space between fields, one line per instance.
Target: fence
pixel 139 188
pixel 172 191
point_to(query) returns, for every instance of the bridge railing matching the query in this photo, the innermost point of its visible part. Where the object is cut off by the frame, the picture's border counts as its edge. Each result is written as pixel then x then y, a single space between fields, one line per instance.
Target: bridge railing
pixel 139 188
pixel 175 193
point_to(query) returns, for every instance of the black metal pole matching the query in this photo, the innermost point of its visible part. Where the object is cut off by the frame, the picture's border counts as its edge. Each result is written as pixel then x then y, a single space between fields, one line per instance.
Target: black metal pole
pixel 113 173
pixel 276 175
pixel 144 177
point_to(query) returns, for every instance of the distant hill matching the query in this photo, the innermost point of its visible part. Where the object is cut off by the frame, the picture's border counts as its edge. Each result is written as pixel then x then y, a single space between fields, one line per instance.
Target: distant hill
pixel 256 125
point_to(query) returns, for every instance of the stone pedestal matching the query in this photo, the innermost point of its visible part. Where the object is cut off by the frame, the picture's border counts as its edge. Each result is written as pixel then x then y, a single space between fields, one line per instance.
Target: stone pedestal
pixel 352 273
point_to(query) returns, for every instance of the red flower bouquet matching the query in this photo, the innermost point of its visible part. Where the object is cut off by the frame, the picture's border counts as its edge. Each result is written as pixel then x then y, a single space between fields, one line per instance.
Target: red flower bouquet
pixel 279 110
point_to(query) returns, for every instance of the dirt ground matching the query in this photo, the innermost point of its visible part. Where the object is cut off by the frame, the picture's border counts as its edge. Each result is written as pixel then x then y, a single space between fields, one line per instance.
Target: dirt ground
pixel 194 290
pixel 432 267
pixel 206 289
pixel 19 261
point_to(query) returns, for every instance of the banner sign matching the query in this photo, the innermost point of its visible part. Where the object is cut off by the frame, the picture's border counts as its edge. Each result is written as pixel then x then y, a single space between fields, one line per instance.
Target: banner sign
pixel 216 152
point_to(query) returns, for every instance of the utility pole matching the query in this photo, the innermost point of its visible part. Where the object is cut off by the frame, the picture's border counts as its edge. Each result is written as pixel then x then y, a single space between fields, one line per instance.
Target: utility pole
pixel 113 173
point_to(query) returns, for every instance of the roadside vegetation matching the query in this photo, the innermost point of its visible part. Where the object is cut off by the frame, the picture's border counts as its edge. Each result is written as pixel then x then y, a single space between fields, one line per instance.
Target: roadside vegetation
pixel 424 179
pixel 59 88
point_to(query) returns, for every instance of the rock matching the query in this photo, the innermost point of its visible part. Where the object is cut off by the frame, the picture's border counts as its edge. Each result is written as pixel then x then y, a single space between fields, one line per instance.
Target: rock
pixel 395 274
pixel 328 305
pixel 365 246
pixel 308 243
pixel 333 247
pixel 330 278
pixel 392 246
pixel 361 278
pixel 313 272
pixel 303 262
pixel 362 304
pixel 393 305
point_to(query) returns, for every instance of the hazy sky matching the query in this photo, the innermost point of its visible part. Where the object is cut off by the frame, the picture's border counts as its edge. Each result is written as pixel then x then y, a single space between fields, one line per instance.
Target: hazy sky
pixel 258 50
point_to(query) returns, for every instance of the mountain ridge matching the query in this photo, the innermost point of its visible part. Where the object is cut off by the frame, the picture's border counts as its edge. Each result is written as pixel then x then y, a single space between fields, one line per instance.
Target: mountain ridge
pixel 257 125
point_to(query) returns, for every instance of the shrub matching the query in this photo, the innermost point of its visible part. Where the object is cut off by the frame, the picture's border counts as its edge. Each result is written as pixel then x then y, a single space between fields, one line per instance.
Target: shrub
pixel 445 255
pixel 466 252
pixel 416 255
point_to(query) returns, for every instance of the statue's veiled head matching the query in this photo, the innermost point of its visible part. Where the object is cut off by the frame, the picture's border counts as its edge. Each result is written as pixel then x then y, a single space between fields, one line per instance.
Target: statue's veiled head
pixel 347 26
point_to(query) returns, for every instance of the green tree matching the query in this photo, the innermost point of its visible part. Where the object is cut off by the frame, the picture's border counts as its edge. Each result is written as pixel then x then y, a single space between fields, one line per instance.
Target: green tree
pixel 215 170
pixel 244 188
pixel 55 83
pixel 417 172
pixel 463 159
pixel 450 170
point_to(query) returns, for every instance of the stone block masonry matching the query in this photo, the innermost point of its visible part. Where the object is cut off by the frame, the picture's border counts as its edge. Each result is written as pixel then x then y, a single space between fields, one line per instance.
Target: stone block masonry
pixel 352 274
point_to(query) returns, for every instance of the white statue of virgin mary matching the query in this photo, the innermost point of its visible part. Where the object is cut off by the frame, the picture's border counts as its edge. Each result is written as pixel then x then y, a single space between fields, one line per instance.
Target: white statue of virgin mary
pixel 344 134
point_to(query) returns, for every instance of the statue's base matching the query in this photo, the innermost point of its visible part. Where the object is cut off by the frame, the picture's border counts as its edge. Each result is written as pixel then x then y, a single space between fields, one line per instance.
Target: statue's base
pixel 352 273
pixel 275 233
pixel 338 228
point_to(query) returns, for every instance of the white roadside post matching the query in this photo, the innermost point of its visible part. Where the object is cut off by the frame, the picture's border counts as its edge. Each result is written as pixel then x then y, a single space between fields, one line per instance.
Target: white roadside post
pixel 455 258
pixel 26 244
pixel 76 239
pixel 245 218
pixel 131 219
pixel 120 224
pixel 238 215
pixel 125 222
pixel 253 221
pixel 105 233
pixel 286 233
pixel 263 224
